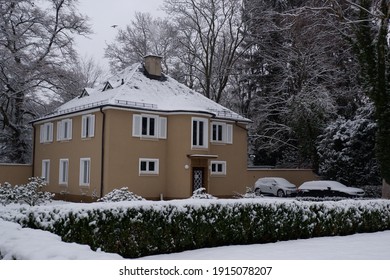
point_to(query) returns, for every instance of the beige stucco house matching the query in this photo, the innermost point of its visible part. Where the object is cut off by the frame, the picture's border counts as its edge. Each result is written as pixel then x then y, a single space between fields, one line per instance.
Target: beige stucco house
pixel 143 130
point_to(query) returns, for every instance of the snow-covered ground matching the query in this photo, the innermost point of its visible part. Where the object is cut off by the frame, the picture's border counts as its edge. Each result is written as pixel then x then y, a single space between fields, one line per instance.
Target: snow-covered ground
pixel 29 244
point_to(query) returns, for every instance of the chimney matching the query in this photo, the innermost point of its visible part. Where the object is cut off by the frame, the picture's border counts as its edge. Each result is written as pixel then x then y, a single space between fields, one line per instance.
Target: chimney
pixel 152 64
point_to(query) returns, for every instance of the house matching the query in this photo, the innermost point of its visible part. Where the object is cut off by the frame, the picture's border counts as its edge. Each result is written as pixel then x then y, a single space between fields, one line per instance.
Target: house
pixel 143 130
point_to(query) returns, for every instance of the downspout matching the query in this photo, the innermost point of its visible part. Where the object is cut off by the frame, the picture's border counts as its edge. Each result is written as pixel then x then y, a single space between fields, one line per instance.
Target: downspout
pixel 102 153
pixel 33 151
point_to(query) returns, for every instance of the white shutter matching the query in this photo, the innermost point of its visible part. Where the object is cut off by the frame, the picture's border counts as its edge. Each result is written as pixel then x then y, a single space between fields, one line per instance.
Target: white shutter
pixel 59 131
pixel 84 120
pixel 42 133
pixel 50 131
pixel 137 125
pixel 229 134
pixel 91 132
pixel 69 129
pixel 162 127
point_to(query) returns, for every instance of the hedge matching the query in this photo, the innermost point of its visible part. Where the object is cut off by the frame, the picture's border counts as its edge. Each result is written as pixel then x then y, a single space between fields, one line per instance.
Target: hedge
pixel 134 229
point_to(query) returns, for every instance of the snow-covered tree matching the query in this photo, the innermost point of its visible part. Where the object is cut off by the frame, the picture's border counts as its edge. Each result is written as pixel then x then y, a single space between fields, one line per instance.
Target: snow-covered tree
pixel 32 193
pixel 347 150
pixel 36 46
pixel 301 74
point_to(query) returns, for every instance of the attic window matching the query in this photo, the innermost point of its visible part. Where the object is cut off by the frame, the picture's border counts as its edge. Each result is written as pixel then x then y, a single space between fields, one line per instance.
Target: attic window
pixel 84 93
pixel 107 86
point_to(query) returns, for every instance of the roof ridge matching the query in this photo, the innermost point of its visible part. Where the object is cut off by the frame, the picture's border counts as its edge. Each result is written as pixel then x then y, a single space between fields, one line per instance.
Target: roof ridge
pixel 125 78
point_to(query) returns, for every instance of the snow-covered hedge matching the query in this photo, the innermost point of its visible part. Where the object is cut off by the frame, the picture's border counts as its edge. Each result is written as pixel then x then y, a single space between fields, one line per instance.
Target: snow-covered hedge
pixel 139 228
pixel 31 193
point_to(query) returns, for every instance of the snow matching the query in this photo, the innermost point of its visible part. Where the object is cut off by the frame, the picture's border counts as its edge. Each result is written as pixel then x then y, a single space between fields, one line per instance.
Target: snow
pixel 133 89
pixel 31 244
pixel 363 246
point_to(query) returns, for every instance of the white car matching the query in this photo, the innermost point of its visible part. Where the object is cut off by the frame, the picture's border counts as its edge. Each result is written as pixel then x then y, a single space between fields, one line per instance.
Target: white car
pixel 328 188
pixel 274 186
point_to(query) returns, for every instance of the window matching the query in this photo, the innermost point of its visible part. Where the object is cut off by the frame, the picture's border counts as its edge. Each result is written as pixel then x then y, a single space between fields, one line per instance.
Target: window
pixel 64 171
pixel 46 170
pixel 46 133
pixel 64 130
pixel 221 133
pixel 85 171
pixel 88 126
pixel 218 168
pixel 199 133
pixel 148 166
pixel 149 126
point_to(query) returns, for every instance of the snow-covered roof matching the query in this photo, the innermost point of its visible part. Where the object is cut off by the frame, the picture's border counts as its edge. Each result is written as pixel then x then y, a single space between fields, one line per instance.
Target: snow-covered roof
pixel 132 88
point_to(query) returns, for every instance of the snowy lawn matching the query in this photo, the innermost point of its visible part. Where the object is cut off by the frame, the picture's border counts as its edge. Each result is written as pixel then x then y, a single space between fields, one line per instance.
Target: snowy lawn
pixel 24 243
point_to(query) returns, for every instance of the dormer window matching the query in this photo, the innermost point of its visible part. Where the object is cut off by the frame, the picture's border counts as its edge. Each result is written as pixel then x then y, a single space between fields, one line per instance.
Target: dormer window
pixel 107 86
pixel 84 93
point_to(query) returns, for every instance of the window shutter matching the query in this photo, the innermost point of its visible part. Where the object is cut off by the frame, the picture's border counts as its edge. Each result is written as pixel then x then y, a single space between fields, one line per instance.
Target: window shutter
pixel 229 134
pixel 42 134
pixel 70 129
pixel 91 132
pixel 59 131
pixel 162 128
pixel 137 125
pixel 50 138
pixel 84 126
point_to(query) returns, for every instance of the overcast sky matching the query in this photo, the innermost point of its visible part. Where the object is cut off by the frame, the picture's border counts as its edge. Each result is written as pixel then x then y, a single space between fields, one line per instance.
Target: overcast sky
pixel 105 13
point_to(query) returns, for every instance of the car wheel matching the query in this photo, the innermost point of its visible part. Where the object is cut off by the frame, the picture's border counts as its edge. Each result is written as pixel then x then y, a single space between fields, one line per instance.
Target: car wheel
pixel 257 192
pixel 280 193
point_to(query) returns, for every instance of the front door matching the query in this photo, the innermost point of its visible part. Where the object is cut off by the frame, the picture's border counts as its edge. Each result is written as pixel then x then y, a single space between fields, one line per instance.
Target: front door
pixel 197 178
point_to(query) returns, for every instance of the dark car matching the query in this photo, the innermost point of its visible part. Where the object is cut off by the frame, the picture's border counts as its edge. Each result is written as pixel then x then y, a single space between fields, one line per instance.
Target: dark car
pixel 328 188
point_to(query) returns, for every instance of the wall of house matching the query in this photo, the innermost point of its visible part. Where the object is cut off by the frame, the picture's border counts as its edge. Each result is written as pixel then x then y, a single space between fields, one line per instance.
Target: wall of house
pixel 295 176
pixel 235 156
pixel 73 150
pixel 123 153
pixel 15 174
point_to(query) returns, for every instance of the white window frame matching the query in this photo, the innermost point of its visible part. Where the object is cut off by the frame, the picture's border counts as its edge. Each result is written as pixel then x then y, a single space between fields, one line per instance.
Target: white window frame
pixel 85 172
pixel 214 168
pixel 147 161
pixel 64 130
pixel 223 136
pixel 63 175
pixel 160 126
pixel 46 170
pixel 88 126
pixel 46 133
pixel 199 140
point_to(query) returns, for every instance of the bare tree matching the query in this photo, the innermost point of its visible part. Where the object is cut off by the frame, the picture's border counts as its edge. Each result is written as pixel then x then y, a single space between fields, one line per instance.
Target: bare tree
pixel 144 35
pixel 302 74
pixel 210 34
pixel 36 45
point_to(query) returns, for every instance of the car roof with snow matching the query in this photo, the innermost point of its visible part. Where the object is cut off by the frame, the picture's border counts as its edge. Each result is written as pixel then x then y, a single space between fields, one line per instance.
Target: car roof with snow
pixel 322 185
pixel 132 88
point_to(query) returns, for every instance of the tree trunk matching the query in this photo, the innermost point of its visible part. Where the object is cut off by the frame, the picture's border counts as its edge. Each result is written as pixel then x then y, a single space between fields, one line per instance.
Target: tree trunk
pixel 385 189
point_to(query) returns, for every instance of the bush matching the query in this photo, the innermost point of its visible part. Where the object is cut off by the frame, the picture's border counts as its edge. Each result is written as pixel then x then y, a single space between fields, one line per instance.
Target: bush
pixel 122 194
pixel 134 229
pixel 201 194
pixel 32 193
